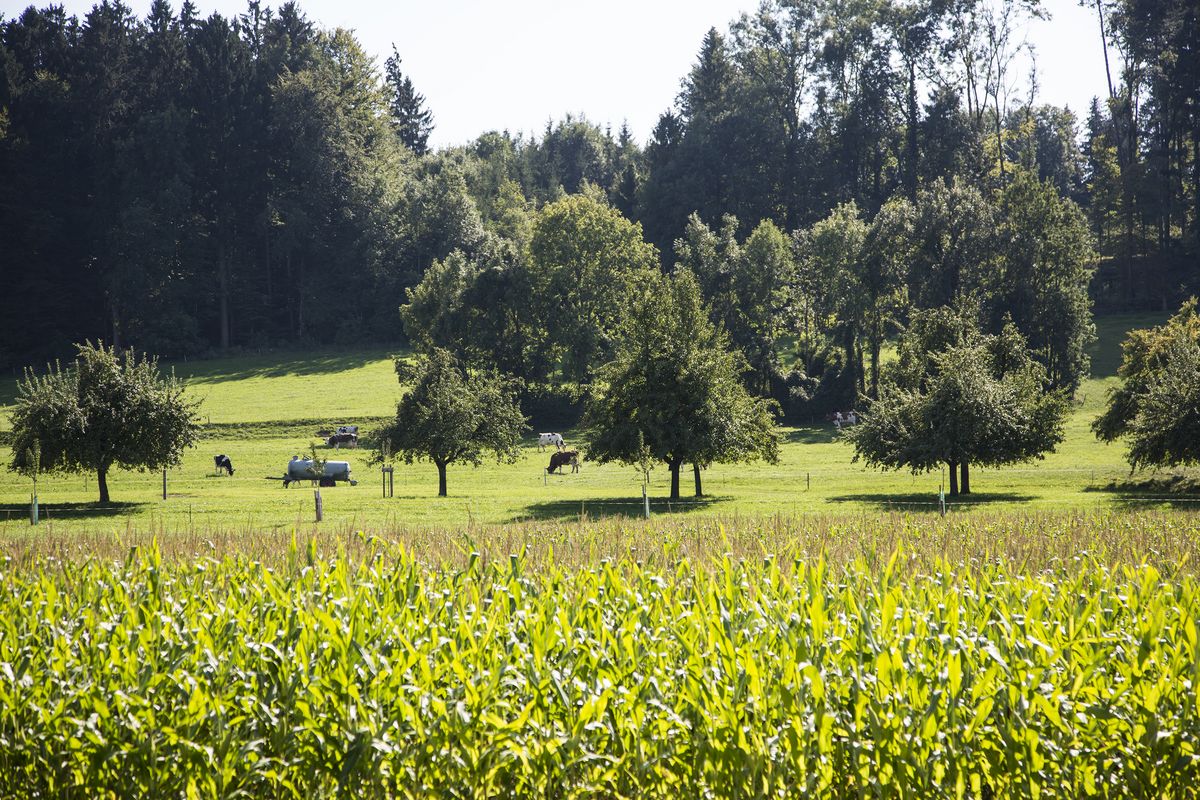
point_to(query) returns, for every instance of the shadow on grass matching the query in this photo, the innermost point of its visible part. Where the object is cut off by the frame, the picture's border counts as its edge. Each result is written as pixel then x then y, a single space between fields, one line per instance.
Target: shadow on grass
pixel 1158 485
pixel 268 366
pixel 50 511
pixel 928 500
pixel 1177 491
pixel 812 434
pixel 630 507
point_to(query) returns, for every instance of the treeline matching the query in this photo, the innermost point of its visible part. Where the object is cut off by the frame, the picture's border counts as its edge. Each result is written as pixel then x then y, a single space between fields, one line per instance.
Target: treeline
pixel 186 184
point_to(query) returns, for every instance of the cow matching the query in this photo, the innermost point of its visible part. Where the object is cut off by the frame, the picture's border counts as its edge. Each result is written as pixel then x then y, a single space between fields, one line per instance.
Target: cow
pixel 339 439
pixel 222 462
pixel 563 458
pixel 546 439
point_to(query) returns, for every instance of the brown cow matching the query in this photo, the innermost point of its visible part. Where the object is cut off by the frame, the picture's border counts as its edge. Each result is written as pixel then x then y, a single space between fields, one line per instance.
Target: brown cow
pixel 562 459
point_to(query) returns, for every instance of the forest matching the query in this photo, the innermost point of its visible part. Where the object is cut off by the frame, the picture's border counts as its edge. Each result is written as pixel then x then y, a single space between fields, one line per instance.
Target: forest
pixel 188 185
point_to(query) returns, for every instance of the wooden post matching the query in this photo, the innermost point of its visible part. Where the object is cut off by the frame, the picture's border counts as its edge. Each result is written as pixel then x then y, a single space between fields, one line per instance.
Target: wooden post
pixel 317 501
pixel 807 481
pixel 164 484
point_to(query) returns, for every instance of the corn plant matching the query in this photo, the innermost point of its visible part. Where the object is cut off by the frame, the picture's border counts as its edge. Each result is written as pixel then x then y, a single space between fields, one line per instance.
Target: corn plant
pixel 383 677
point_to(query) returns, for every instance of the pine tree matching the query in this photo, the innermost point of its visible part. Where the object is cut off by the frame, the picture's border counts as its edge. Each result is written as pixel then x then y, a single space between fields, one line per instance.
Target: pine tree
pixel 411 120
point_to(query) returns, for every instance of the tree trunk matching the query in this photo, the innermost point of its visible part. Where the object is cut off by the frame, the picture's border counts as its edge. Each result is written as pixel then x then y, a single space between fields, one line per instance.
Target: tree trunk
pixel 674 465
pixel 966 479
pixel 696 473
pixel 1196 185
pixel 116 326
pixel 102 482
pixel 910 174
pixel 441 478
pixel 223 294
pixel 875 348
pixel 953 477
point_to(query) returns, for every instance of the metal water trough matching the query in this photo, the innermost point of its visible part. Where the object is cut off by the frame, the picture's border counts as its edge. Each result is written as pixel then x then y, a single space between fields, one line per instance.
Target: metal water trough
pixel 301 469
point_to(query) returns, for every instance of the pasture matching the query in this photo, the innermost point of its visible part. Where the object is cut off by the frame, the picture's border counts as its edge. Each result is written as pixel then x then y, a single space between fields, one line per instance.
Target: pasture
pixel 260 410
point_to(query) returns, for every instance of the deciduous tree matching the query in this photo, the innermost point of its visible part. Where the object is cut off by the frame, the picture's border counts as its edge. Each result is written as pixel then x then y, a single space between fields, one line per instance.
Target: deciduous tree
pixel 1157 405
pixel 675 388
pixel 107 409
pixel 961 398
pixel 453 415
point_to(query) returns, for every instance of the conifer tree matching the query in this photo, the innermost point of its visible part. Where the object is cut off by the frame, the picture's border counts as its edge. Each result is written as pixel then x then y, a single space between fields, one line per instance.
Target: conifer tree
pixel 411 120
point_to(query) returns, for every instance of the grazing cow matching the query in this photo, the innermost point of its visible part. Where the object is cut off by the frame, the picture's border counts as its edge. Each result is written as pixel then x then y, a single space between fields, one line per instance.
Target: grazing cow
pixel 563 458
pixel 222 462
pixel 547 439
pixel 339 439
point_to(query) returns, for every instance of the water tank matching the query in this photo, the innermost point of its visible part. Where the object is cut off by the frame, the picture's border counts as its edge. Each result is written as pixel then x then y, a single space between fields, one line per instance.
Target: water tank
pixel 301 469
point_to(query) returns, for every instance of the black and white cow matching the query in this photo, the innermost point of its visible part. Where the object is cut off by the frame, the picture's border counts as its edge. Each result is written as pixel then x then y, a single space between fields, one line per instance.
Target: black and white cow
pixel 547 439
pixel 222 462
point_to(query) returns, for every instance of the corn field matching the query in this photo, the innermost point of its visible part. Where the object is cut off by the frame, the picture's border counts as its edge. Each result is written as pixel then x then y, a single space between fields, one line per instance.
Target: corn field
pixel 752 678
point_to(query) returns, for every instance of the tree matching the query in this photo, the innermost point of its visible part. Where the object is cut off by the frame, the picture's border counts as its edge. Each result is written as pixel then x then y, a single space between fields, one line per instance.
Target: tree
pixel 832 252
pixel 959 397
pixel 106 409
pixel 747 286
pixel 1042 276
pixel 953 230
pixel 675 388
pixel 591 259
pixel 411 120
pixel 452 415
pixel 1157 405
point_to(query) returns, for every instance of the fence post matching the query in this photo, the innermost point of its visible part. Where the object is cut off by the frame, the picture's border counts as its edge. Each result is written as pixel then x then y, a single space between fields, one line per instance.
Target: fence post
pixel 317 501
pixel 807 481
pixel 164 484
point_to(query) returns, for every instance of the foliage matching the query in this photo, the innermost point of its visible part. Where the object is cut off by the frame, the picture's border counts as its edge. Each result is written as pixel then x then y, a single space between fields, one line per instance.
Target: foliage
pixel 1157 404
pixel 971 399
pixel 107 409
pixel 749 288
pixel 1041 283
pixel 410 119
pixel 589 263
pixel 670 678
pixel 451 415
pixel 675 388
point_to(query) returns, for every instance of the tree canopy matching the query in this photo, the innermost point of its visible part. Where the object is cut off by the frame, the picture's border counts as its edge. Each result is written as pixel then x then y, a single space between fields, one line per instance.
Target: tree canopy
pixel 453 415
pixel 1156 407
pixel 674 388
pixel 959 397
pixel 106 409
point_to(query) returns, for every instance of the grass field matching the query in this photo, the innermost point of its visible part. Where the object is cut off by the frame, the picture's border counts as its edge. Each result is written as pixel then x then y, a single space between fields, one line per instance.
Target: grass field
pixel 262 409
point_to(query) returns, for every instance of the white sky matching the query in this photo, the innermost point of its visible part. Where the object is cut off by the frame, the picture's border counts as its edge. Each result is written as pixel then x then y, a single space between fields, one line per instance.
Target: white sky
pixel 490 65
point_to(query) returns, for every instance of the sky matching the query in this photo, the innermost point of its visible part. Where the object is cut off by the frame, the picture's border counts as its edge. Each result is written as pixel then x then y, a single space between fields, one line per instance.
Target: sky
pixel 491 65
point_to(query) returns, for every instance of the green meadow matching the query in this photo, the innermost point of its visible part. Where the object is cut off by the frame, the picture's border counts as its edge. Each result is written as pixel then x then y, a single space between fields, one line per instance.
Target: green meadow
pixel 262 409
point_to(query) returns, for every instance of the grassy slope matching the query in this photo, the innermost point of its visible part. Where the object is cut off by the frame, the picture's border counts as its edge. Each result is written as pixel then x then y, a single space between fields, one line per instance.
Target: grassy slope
pixel 262 409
